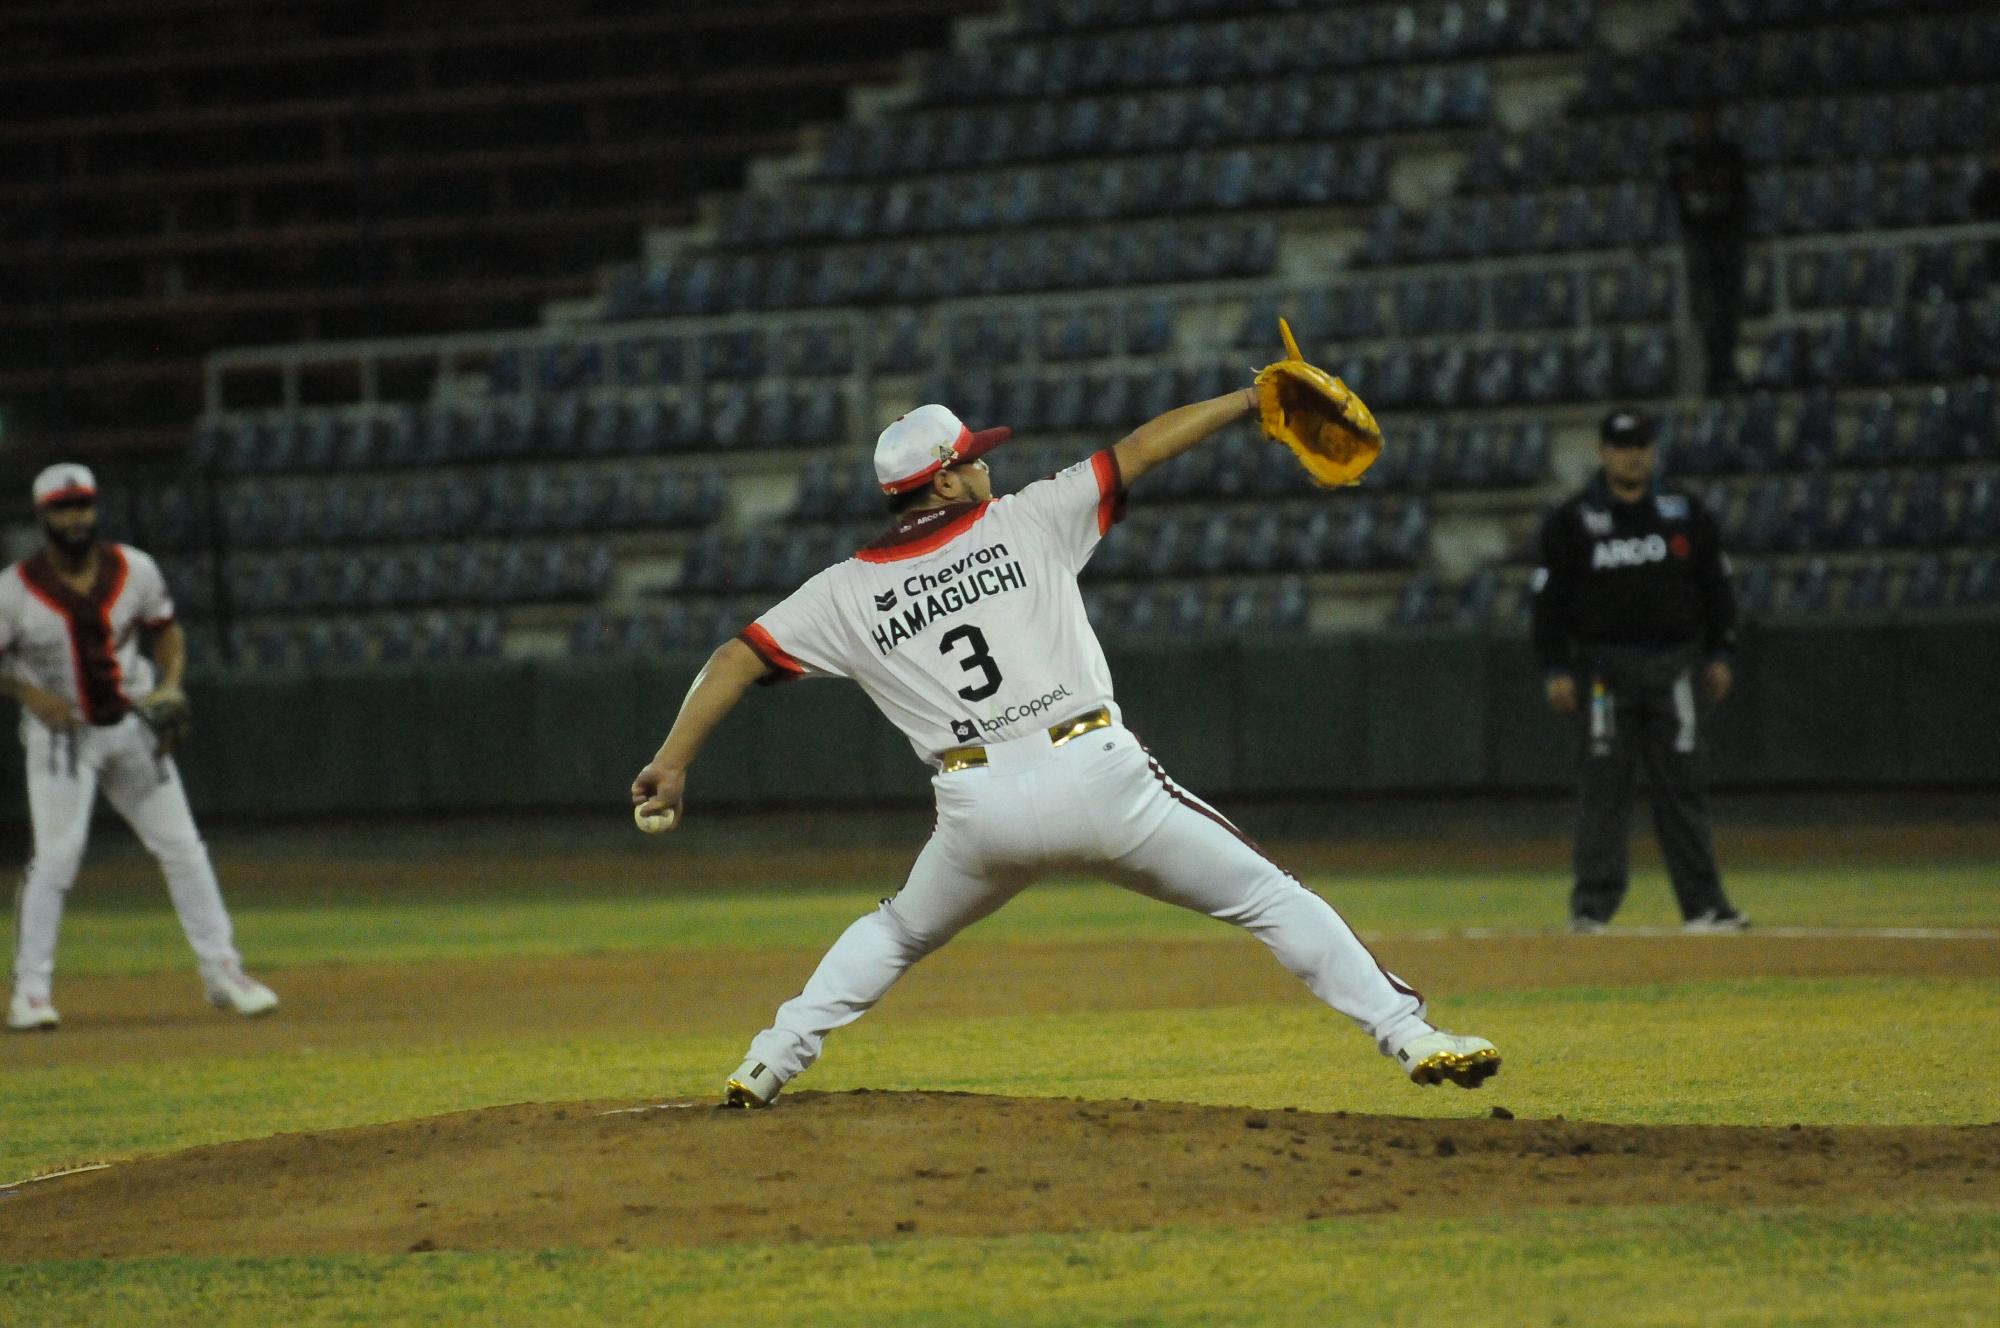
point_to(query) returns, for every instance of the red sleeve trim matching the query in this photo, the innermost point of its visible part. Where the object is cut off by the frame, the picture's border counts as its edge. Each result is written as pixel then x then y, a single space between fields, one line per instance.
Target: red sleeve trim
pixel 770 652
pixel 157 624
pixel 1110 490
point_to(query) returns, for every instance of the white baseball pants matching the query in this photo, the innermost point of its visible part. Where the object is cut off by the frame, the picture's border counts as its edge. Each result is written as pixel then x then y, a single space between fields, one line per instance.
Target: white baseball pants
pixel 1098 804
pixel 65 772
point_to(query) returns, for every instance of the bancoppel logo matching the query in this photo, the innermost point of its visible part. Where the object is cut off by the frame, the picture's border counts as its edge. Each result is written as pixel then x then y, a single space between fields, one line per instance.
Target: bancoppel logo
pixel 885 601
pixel 1629 552
pixel 1039 707
pixel 964 730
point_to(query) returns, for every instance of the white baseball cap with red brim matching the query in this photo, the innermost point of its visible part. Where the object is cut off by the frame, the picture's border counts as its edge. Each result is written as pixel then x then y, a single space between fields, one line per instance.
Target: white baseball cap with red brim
pixel 920 444
pixel 64 480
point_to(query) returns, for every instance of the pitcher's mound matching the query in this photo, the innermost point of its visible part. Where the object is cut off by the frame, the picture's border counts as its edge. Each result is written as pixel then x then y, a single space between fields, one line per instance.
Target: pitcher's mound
pixel 868 1166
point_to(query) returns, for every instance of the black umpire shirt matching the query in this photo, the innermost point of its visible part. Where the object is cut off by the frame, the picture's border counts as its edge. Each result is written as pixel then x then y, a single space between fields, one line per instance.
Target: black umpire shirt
pixel 1648 574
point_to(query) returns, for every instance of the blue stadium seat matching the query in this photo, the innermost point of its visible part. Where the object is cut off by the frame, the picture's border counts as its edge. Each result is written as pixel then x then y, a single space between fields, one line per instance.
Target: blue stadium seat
pixel 1809 440
pixel 1809 589
pixel 1877 434
pixel 1923 521
pixel 1312 544
pixel 1416 602
pixel 1146 326
pixel 1519 224
pixel 1477 596
pixel 1406 538
pixel 1187 612
pixel 1166 548
pixel 1594 373
pixel 1384 242
pixel 1528 453
pixel 1978 583
pixel 1262 544
pixel 1864 519
pixel 1445 375
pixel 1546 374
pixel 1924 585
pixel 1761 519
pixel 1780 360
pixel 1978 519
pixel 1478 462
pixel 1979 334
pixel 1416 460
pixel 1494 376
pixel 1645 362
pixel 1830 354
pixel 1808 523
pixel 1881 354
pixel 1289 607
pixel 1753 435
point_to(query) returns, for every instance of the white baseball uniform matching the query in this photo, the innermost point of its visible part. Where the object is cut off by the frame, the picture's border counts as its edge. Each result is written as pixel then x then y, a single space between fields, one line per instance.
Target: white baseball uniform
pixel 85 648
pixel 964 624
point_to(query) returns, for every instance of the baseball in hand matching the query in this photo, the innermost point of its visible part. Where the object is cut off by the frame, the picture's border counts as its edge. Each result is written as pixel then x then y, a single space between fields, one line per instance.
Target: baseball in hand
pixel 657 823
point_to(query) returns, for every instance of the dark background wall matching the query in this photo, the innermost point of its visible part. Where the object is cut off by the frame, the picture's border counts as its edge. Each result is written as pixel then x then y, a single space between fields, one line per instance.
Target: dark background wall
pixel 1854 704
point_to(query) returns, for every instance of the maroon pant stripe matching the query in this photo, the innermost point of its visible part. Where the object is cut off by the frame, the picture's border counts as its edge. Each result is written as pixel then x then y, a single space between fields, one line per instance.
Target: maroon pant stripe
pixel 1254 847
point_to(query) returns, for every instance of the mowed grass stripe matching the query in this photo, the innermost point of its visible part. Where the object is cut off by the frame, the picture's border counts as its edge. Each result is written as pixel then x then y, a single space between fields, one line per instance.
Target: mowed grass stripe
pixel 124 939
pixel 1647 1267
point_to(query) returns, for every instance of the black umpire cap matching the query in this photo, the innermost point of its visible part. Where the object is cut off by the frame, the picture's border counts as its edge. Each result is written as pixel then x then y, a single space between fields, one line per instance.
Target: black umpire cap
pixel 1625 428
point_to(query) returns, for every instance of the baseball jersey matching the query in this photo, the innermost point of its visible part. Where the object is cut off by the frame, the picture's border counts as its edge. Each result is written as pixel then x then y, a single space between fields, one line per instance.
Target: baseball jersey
pixel 1648 573
pixel 963 624
pixel 84 647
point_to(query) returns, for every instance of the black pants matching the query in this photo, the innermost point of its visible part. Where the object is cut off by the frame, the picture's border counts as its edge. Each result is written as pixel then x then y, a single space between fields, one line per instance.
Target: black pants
pixel 1626 724
pixel 1717 258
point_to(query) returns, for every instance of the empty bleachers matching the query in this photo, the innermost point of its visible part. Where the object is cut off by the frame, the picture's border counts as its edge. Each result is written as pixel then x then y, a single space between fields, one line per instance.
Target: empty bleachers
pixel 1089 211
pixel 181 176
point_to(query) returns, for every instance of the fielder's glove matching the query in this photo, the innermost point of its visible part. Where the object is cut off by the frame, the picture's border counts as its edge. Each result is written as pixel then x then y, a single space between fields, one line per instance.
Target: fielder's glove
pixel 1310 411
pixel 167 713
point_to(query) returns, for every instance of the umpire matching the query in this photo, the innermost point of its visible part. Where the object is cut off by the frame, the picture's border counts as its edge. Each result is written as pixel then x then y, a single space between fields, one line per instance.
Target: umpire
pixel 1631 600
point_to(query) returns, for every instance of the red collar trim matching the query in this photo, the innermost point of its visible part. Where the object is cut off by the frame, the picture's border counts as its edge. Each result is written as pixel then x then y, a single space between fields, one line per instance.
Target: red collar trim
pixel 100 683
pixel 49 585
pixel 922 532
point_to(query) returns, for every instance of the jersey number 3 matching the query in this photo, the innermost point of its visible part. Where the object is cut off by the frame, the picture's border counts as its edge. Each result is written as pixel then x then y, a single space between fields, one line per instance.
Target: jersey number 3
pixel 979 661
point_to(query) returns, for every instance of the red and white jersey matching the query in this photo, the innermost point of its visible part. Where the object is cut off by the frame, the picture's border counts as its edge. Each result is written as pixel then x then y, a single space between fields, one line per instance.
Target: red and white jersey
pixel 84 646
pixel 963 624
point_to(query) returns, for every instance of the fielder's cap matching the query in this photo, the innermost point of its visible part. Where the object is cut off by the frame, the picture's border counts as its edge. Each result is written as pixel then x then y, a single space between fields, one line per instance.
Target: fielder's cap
pixel 920 444
pixel 1624 428
pixel 64 480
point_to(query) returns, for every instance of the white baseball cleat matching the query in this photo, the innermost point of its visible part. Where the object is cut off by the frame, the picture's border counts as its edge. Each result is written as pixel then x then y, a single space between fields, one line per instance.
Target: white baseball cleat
pixel 230 988
pixel 1437 1056
pixel 31 1014
pixel 753 1085
pixel 1715 922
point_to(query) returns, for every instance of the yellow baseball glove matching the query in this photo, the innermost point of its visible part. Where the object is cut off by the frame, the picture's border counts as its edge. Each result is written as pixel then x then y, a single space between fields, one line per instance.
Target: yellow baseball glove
pixel 1332 433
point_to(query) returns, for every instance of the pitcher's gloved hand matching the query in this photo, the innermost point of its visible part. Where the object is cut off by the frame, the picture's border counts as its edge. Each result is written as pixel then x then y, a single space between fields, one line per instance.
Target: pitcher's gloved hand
pixel 1329 429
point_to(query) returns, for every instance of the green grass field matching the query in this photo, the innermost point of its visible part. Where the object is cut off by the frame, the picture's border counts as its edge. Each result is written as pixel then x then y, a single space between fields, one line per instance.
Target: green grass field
pixel 135 933
pixel 1863 1048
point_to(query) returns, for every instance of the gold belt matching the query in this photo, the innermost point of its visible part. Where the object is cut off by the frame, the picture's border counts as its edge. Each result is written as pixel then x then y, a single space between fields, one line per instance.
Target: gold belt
pixel 965 758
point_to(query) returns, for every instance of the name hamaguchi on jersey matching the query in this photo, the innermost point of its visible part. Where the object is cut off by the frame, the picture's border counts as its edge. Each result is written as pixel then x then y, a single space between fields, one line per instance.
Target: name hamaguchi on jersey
pixel 944 592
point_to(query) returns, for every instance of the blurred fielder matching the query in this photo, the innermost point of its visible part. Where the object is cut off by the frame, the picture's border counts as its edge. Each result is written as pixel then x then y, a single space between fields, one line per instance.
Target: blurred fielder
pixel 96 713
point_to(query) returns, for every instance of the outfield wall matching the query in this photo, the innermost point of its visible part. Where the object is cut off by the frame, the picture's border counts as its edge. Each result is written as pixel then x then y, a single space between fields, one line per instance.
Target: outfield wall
pixel 1855 704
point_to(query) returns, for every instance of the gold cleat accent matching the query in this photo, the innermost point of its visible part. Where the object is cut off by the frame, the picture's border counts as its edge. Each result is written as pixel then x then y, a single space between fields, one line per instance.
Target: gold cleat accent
pixel 738 1094
pixel 1467 1070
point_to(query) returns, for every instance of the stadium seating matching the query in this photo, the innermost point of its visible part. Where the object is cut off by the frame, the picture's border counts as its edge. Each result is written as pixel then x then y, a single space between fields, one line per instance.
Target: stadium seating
pixel 1094 210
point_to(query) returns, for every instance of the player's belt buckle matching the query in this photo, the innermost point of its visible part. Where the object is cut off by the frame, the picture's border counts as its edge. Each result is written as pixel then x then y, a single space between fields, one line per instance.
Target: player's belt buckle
pixel 1079 725
pixel 955 759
